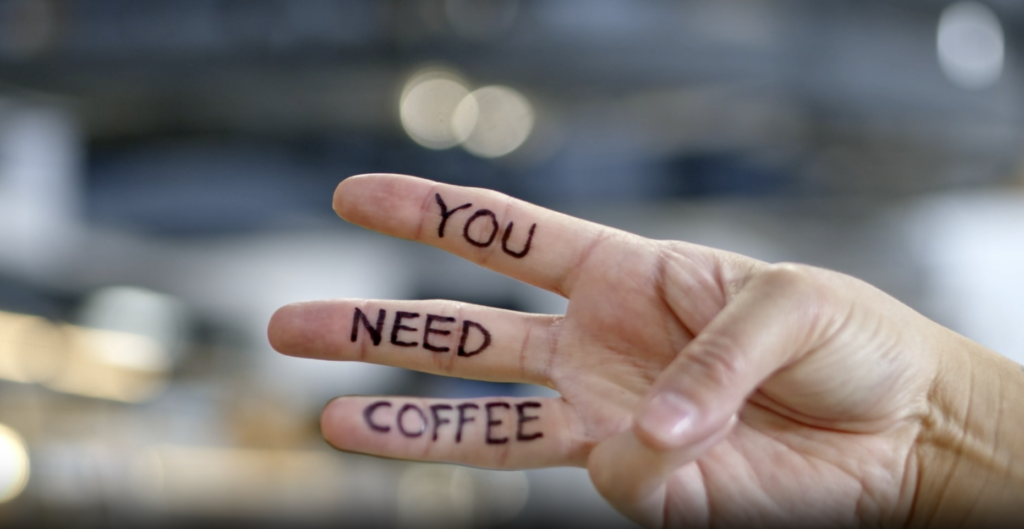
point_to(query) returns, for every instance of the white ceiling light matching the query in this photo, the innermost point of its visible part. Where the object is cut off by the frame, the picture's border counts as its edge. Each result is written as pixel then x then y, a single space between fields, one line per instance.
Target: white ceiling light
pixel 493 121
pixel 14 465
pixel 970 45
pixel 427 105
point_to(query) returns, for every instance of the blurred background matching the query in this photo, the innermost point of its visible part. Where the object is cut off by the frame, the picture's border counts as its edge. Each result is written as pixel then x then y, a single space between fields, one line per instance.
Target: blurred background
pixel 166 170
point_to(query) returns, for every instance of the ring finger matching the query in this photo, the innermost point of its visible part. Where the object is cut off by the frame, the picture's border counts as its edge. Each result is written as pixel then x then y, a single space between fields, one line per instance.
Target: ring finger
pixel 494 432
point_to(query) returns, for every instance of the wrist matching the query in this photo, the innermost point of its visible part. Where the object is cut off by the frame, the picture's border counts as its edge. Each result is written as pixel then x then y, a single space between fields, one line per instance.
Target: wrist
pixel 968 455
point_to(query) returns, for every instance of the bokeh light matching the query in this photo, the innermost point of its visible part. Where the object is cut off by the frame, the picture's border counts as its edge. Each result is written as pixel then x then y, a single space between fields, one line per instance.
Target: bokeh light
pixel 100 363
pixel 427 105
pixel 14 464
pixel 112 365
pixel 499 495
pixel 31 348
pixel 434 495
pixel 493 121
pixel 453 496
pixel 970 45
pixel 231 481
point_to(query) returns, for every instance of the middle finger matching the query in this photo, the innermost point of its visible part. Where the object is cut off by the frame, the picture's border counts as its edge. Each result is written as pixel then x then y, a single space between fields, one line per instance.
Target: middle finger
pixel 434 336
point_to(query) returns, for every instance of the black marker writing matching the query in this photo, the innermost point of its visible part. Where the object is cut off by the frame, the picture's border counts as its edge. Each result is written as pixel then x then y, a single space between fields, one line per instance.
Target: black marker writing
pixel 397 326
pixel 374 331
pixel 437 415
pixel 435 412
pixel 481 241
pixel 523 418
pixel 428 330
pixel 492 422
pixel 494 228
pixel 463 419
pixel 445 213
pixel 401 423
pixel 466 324
pixel 526 247
pixel 474 338
pixel 368 415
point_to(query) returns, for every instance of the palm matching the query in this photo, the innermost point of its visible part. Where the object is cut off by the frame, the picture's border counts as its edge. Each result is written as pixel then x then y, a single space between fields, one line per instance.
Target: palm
pixel 825 430
pixel 606 342
pixel 776 450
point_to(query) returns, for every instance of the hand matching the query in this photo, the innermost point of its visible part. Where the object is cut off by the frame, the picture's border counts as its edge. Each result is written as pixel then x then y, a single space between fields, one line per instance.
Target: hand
pixel 698 386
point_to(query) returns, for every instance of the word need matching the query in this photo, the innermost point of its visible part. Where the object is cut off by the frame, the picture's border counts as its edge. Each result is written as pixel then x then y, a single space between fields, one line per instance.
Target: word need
pixel 435 329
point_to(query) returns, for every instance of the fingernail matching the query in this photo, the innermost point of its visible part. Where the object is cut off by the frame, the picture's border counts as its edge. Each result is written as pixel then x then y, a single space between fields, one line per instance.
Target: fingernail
pixel 668 418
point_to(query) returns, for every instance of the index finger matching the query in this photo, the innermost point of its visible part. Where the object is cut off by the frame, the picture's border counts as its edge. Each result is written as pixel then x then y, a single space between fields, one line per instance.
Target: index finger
pixel 512 237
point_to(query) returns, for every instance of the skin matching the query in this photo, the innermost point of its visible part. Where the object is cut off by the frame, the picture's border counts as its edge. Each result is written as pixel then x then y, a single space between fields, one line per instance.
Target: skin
pixel 698 387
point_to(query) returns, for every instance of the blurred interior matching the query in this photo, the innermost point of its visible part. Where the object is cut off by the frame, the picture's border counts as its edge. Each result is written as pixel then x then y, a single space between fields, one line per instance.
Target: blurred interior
pixel 166 171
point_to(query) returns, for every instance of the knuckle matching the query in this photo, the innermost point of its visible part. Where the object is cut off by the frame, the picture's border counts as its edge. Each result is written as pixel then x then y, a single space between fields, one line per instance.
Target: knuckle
pixel 803 282
pixel 813 295
pixel 717 358
pixel 788 274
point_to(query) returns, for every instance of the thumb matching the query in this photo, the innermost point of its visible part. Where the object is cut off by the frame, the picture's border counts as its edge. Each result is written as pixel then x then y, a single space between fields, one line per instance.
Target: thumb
pixel 633 476
pixel 776 317
pixel 773 321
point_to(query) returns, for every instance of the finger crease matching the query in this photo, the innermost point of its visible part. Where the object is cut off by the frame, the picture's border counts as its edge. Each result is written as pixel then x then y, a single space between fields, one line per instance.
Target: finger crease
pixel 452 358
pixel 522 351
pixel 572 272
pixel 363 349
pixel 659 288
pixel 425 210
pixel 554 337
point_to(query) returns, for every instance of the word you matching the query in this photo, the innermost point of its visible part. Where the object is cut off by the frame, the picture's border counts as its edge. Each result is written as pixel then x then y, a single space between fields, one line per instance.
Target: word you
pixel 434 326
pixel 412 421
pixel 486 216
